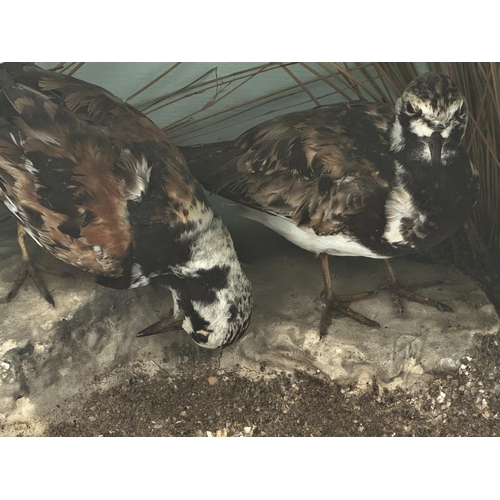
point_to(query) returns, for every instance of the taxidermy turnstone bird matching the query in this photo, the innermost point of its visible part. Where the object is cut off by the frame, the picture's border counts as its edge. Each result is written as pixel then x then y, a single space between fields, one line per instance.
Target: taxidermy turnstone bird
pixel 354 179
pixel 98 185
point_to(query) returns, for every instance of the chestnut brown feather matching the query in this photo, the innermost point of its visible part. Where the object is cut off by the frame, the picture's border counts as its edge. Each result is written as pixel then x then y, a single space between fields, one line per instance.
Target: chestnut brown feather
pixel 71 154
pixel 100 186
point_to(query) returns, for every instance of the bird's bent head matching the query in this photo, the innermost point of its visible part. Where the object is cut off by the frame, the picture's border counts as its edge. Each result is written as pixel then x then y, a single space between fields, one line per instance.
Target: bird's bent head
pixel 212 295
pixel 222 315
pixel 216 315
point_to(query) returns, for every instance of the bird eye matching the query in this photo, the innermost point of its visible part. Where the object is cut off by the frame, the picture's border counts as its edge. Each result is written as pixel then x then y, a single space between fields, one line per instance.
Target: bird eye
pixel 409 108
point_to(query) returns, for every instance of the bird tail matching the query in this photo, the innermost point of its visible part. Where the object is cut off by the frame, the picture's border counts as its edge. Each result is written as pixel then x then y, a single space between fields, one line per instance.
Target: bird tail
pixel 211 164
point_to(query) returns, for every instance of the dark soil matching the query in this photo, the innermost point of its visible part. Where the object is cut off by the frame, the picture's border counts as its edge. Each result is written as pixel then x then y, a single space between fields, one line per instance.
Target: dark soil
pixel 466 403
pixel 205 401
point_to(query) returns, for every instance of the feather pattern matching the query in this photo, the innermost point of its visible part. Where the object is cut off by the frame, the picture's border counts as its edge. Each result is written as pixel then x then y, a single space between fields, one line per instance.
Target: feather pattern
pixel 353 172
pixel 99 186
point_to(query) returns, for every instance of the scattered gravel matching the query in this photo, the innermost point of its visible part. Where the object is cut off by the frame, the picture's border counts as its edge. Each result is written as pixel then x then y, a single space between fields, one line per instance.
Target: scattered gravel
pixel 215 403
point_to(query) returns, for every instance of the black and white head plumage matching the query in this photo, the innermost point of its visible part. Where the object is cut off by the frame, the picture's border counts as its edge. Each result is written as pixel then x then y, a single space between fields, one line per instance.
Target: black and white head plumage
pixel 211 293
pixel 99 186
pixel 431 110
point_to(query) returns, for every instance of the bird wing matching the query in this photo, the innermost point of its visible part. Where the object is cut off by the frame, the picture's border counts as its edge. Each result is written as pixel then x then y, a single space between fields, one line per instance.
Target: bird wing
pixel 75 164
pixel 316 167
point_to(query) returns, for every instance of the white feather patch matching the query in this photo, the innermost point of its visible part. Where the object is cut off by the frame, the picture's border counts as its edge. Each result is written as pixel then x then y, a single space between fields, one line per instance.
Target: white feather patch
pixel 141 172
pixel 306 238
pixel 137 276
pixel 28 165
pixel 400 205
pixel 10 205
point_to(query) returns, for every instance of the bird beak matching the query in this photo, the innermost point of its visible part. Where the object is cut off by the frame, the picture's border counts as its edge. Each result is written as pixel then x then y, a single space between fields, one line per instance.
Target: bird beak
pixel 165 325
pixel 435 146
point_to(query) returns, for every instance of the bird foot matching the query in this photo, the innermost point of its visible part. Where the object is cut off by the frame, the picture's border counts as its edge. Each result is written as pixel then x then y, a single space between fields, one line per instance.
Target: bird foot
pixel 29 269
pixel 398 291
pixel 335 303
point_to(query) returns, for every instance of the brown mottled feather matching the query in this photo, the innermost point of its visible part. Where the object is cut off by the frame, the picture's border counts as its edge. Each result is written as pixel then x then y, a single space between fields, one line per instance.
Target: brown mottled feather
pixel 304 166
pixel 70 162
pixel 359 170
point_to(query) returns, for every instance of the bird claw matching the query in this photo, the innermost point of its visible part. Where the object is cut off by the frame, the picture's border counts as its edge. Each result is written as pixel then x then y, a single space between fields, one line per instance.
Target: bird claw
pixel 335 304
pixel 28 269
pixel 398 291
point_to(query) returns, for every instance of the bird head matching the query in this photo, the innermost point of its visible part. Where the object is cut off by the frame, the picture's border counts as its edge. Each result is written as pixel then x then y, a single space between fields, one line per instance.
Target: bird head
pixel 212 295
pixel 222 315
pixel 431 113
pixel 217 317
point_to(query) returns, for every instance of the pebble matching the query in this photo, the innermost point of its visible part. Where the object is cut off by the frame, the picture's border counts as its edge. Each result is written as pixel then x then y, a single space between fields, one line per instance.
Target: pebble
pixel 441 397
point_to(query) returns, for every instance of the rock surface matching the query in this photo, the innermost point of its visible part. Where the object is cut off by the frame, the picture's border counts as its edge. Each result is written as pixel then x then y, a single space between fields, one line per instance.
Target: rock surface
pixel 48 355
pixel 285 324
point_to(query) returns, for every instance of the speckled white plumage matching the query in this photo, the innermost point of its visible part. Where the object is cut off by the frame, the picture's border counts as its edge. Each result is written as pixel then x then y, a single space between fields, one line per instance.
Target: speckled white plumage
pixel 213 247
